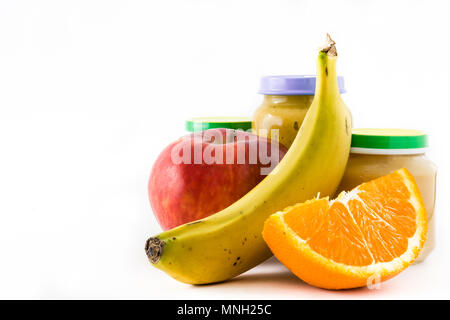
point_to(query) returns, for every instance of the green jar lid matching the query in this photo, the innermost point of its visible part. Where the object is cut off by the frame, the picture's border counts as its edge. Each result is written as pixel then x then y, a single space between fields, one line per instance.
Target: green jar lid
pixel 205 123
pixel 388 141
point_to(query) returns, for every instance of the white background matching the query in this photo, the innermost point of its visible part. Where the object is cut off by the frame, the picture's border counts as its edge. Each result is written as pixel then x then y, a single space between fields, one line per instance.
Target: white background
pixel 91 91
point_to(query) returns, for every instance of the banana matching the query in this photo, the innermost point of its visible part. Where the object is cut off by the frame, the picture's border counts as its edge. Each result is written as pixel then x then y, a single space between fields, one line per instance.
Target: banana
pixel 229 242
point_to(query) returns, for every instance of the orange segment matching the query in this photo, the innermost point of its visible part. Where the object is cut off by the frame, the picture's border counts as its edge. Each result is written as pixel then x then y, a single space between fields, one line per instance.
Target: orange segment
pixel 375 230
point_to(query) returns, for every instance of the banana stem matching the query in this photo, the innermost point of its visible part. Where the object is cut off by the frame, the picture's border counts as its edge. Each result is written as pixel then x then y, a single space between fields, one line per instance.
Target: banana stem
pixel 154 249
pixel 326 84
pixel 330 47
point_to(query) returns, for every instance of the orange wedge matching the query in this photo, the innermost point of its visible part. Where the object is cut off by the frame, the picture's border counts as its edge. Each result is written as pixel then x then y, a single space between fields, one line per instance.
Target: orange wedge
pixel 363 237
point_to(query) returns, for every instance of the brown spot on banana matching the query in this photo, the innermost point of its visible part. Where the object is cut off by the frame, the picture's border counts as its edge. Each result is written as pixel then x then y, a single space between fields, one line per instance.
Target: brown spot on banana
pixel 347 127
pixel 195 222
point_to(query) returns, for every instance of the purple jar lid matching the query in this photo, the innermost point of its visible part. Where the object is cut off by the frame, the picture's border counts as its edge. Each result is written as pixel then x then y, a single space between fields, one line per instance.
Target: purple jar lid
pixel 294 85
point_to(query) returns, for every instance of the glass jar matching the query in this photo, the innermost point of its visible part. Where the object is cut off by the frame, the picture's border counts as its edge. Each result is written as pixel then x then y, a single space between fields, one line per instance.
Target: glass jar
pixel 286 101
pixel 377 152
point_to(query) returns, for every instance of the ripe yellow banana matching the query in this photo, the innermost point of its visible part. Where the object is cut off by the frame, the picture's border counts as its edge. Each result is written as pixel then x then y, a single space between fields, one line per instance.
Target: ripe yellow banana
pixel 229 242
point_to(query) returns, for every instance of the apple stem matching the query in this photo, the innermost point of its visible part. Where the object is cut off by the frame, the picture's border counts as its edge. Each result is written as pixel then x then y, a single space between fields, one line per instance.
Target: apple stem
pixel 154 249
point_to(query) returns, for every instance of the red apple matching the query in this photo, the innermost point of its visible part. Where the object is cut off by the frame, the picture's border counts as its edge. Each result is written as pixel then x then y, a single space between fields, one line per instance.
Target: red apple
pixel 205 172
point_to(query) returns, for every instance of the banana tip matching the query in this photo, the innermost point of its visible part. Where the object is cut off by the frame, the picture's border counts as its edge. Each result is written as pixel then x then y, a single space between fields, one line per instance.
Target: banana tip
pixel 329 47
pixel 154 248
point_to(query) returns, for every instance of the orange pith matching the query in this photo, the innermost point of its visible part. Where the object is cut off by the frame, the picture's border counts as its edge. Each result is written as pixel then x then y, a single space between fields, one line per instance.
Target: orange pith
pixel 377 229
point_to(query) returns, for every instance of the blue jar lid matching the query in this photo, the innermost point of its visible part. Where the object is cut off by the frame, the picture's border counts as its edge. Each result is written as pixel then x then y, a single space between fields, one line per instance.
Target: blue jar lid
pixel 293 85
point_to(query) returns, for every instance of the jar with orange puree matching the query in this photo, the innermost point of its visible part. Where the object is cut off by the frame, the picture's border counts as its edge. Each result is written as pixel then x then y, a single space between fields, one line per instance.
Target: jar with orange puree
pixel 286 101
pixel 377 152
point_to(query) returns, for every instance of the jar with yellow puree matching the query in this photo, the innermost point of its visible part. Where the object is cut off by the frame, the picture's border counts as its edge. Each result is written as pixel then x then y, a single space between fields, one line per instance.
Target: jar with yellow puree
pixel 377 152
pixel 286 101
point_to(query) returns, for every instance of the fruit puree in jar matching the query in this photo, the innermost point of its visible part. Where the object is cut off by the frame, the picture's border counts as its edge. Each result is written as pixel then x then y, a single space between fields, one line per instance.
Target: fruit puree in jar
pixel 286 101
pixel 377 152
